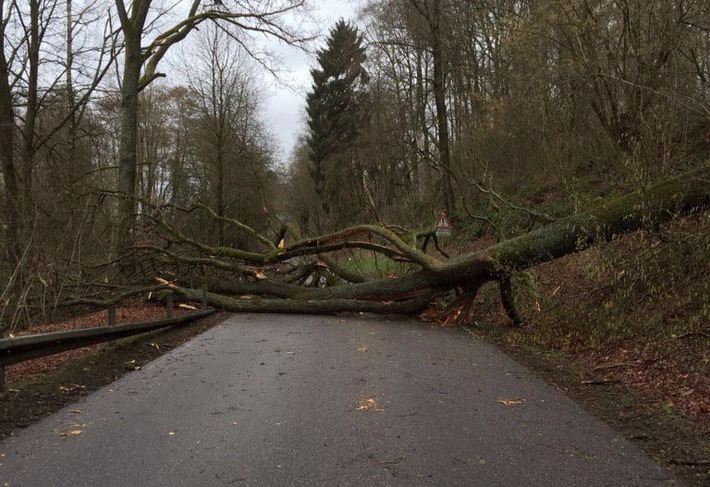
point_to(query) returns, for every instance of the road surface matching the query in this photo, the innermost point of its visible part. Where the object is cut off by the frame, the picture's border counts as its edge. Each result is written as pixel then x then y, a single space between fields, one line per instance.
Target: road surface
pixel 266 400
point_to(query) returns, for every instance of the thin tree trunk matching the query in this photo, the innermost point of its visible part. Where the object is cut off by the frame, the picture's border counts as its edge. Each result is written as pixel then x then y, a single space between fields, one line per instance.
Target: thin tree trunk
pixel 439 87
pixel 7 148
pixel 29 130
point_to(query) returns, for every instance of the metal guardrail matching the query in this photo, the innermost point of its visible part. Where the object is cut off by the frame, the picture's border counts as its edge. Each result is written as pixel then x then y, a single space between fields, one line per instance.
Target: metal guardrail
pixel 19 349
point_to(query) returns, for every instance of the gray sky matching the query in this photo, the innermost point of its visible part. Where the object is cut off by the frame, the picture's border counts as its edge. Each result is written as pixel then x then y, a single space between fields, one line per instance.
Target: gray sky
pixel 285 102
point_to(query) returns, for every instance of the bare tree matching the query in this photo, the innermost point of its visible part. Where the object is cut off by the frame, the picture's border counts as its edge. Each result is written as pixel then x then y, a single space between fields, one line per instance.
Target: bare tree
pixel 140 69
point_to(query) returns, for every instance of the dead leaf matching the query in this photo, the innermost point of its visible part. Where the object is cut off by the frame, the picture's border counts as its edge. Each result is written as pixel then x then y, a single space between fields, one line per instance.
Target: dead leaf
pixel 187 306
pixel 362 349
pixel 509 402
pixel 171 433
pixel 368 404
pixel 70 433
pixel 428 315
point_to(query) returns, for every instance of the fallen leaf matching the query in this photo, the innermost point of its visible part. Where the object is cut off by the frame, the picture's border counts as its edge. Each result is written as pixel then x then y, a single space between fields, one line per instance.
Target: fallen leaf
pixel 509 402
pixel 187 306
pixel 429 314
pixel 70 433
pixel 368 404
pixel 171 433
pixel 362 349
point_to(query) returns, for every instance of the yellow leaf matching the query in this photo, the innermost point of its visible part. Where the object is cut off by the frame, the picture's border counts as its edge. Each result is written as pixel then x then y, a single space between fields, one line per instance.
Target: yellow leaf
pixel 281 244
pixel 509 402
pixel 70 433
pixel 368 404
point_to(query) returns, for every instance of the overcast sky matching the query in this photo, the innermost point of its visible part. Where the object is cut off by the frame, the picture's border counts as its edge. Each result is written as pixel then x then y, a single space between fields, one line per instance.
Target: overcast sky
pixel 285 102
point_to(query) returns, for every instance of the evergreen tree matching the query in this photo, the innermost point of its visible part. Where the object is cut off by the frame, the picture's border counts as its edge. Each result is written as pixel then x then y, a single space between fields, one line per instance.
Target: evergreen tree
pixel 335 108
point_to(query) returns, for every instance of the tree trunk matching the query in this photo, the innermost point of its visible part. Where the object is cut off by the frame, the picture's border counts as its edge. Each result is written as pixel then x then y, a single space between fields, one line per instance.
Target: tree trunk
pixel 7 148
pixel 29 129
pixel 128 139
pixel 439 87
pixel 412 292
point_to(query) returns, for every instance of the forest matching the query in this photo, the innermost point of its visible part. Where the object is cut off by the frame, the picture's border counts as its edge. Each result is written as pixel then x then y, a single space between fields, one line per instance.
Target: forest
pixel 135 156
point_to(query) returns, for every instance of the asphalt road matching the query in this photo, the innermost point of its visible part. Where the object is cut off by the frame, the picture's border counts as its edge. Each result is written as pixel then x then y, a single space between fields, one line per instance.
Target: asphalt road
pixel 325 401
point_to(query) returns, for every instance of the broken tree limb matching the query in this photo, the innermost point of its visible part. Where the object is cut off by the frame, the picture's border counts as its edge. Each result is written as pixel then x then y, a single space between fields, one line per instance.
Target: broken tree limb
pixel 508 301
pixel 411 253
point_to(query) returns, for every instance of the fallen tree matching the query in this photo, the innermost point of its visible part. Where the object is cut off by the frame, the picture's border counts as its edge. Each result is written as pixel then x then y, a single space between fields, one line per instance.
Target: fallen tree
pixel 261 280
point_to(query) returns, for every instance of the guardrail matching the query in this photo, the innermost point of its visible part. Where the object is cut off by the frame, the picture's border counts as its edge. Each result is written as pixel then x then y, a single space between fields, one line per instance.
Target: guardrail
pixel 19 349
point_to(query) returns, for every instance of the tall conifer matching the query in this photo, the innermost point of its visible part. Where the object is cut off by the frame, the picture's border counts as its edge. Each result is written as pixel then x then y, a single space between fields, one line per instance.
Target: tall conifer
pixel 335 106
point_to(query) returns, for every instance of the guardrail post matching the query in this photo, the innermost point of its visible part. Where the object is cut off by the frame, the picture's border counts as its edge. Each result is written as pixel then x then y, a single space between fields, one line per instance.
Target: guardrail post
pixel 169 304
pixel 204 296
pixel 111 315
